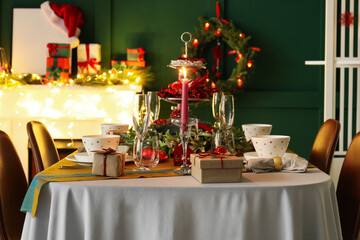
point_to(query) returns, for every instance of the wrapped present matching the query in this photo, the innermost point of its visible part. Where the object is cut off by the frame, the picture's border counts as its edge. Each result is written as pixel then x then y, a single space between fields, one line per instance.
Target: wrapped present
pixel 136 54
pixel 135 63
pixel 58 50
pixel 108 163
pixel 89 58
pixel 57 68
pixel 214 167
pixel 113 62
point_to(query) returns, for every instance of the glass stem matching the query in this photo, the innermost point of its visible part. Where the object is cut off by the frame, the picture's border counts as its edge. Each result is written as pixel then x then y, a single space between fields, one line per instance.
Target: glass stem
pixel 141 152
pixel 184 142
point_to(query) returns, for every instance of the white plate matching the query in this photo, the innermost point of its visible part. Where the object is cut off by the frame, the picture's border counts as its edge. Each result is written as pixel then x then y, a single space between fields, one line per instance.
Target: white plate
pixel 253 155
pixel 84 159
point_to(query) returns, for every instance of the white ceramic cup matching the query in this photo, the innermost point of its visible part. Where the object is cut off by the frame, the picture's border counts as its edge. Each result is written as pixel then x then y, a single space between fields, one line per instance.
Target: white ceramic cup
pixel 118 127
pixel 253 130
pixel 100 142
pixel 269 146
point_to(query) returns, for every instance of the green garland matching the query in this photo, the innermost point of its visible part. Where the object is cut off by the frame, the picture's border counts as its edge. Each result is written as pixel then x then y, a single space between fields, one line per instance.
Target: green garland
pixel 198 142
pixel 238 43
pixel 120 74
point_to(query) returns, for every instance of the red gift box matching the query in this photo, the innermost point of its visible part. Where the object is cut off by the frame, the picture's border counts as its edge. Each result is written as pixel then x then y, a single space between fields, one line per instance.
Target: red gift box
pixel 134 63
pixel 57 68
pixel 136 54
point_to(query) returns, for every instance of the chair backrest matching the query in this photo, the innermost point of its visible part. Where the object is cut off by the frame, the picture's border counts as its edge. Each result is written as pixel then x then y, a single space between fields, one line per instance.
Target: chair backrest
pixel 324 145
pixel 13 187
pixel 42 146
pixel 348 191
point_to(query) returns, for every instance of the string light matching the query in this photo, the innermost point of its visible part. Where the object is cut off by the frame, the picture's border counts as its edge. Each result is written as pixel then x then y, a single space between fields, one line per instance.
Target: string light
pixel 195 42
pixel 218 32
pixel 249 64
pixel 242 35
pixel 207 25
pixel 240 82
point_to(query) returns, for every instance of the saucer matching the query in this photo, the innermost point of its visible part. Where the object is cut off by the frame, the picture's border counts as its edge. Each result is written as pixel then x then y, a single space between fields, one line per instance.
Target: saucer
pixel 81 159
pixel 253 155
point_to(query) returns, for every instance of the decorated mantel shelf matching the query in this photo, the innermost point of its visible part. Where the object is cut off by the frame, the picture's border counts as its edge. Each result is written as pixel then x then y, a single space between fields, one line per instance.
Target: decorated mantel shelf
pixel 69 112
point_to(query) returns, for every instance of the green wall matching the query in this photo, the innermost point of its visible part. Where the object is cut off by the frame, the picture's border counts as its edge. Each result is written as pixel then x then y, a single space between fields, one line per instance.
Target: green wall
pixel 283 91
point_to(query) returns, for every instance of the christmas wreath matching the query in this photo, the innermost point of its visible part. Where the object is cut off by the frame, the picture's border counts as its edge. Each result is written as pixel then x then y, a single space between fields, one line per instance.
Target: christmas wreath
pixel 216 29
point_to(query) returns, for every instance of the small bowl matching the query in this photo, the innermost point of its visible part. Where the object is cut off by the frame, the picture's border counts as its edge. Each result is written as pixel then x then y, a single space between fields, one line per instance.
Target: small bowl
pixel 269 146
pixel 122 148
pixel 100 142
pixel 107 128
pixel 253 130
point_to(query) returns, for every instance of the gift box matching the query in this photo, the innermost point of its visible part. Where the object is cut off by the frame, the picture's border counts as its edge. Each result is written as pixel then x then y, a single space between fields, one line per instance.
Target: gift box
pixel 58 50
pixel 135 63
pixel 107 163
pixel 136 54
pixel 214 168
pixel 89 58
pixel 113 62
pixel 57 68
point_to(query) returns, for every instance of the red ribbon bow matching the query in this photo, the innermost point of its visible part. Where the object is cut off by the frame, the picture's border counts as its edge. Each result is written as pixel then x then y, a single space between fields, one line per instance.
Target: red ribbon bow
pixel 52 48
pixel 89 62
pixel 141 54
pixel 218 13
pixel 218 152
pixel 107 151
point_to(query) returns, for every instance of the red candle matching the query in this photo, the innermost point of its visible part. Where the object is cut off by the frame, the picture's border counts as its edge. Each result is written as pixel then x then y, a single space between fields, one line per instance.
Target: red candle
pixel 184 101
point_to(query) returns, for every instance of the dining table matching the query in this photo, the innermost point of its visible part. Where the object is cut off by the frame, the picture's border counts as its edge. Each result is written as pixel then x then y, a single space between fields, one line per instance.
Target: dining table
pixel 273 205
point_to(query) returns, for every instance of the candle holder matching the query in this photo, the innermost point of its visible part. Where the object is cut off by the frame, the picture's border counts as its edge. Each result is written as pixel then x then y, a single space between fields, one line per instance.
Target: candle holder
pixel 185 123
pixel 184 133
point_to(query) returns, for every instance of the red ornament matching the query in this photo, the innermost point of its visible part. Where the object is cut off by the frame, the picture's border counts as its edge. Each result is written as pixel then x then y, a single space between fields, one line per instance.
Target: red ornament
pixel 346 19
pixel 148 153
pixel 195 42
pixel 239 82
pixel 207 25
pixel 178 155
pixel 217 74
pixel 249 64
pixel 217 51
pixel 218 32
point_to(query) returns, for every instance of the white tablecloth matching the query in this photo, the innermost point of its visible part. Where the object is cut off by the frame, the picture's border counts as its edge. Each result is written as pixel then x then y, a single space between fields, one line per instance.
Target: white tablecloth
pixel 264 206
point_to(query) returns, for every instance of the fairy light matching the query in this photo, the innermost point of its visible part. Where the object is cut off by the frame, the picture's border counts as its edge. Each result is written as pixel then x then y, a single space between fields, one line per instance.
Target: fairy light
pixel 137 79
pixel 126 81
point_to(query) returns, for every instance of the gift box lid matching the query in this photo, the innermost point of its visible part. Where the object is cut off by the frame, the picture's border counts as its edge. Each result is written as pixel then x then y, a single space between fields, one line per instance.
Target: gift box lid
pixel 214 161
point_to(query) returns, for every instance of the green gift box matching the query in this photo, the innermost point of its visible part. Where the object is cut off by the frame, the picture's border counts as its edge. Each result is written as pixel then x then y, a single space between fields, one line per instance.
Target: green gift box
pixel 58 50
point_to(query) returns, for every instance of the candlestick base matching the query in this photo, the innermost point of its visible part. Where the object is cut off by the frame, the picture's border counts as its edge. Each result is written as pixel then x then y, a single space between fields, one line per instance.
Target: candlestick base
pixel 184 170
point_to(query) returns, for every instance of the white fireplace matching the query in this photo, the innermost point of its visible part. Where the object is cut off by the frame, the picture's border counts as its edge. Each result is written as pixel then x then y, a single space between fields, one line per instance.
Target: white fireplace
pixel 68 112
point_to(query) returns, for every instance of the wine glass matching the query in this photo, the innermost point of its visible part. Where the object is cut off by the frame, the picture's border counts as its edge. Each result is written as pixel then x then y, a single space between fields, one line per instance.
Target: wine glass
pixel 216 99
pixel 227 120
pixel 154 105
pixel 141 117
pixel 149 151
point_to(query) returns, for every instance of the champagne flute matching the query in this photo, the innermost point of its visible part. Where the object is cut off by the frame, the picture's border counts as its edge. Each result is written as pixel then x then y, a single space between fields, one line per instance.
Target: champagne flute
pixel 216 99
pixel 227 120
pixel 154 105
pixel 141 117
pixel 227 111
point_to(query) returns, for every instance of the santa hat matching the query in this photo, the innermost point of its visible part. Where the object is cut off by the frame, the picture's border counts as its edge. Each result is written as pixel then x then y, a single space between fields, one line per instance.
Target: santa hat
pixel 65 18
